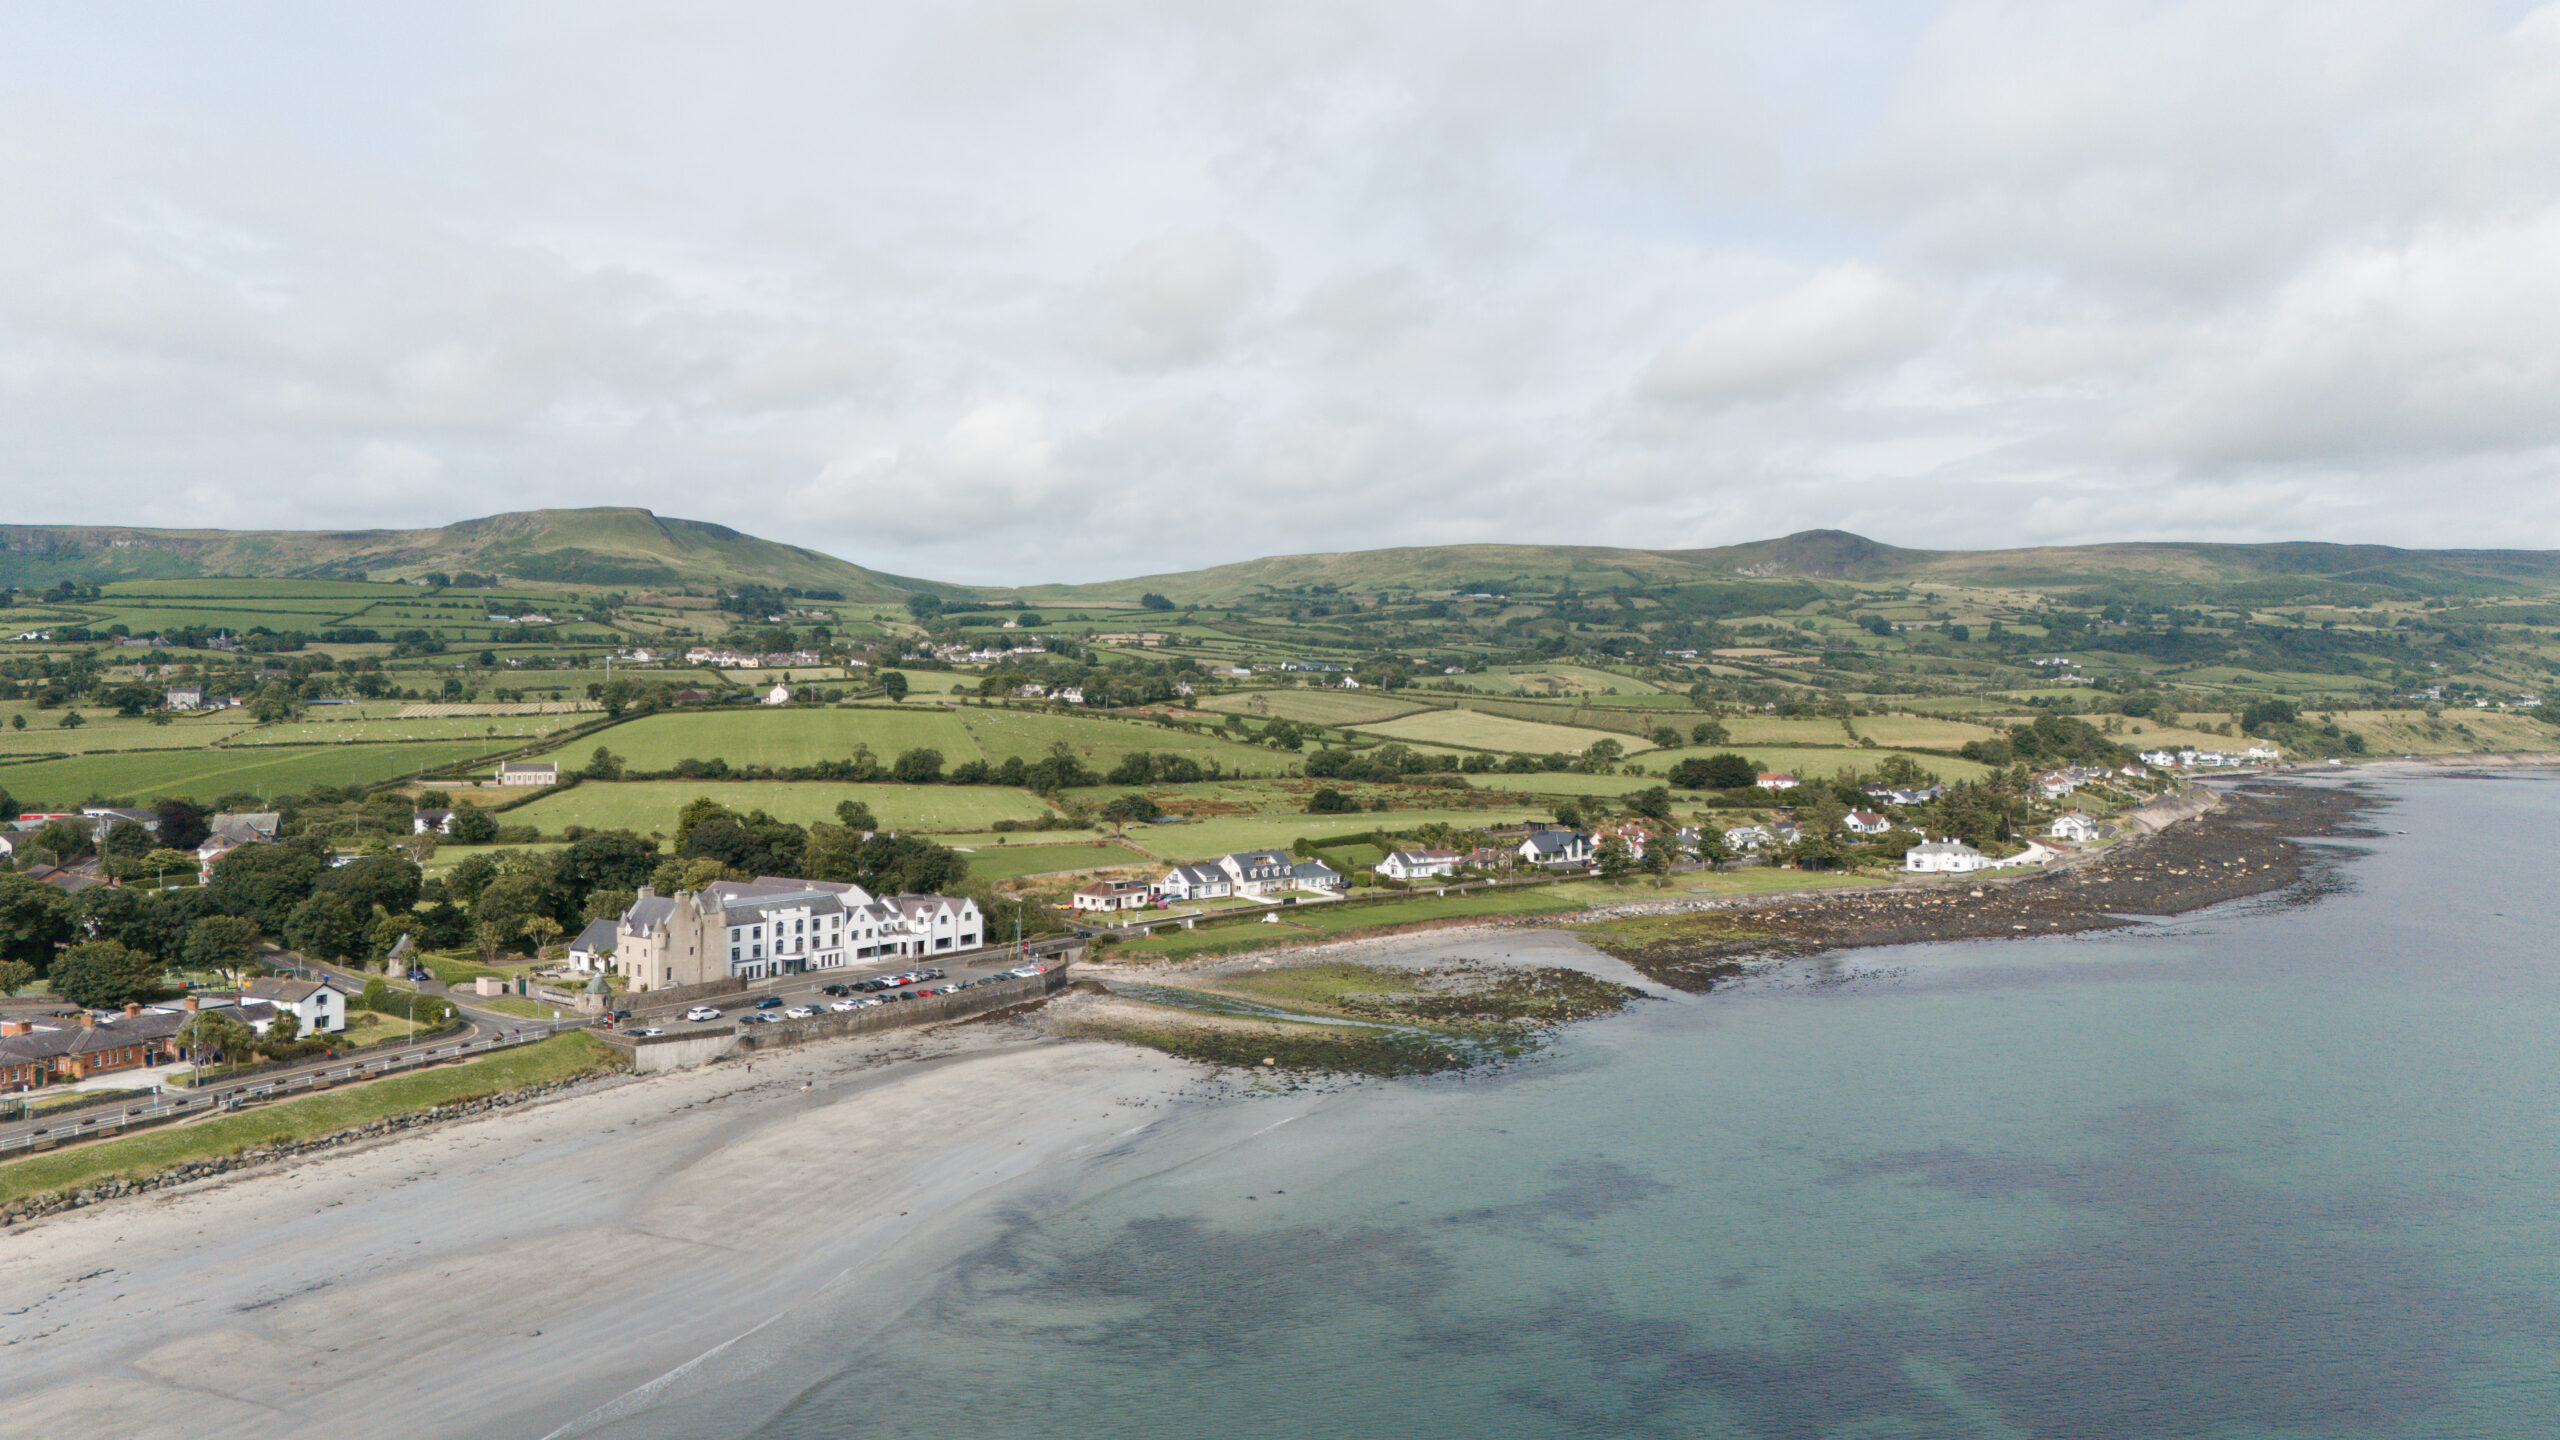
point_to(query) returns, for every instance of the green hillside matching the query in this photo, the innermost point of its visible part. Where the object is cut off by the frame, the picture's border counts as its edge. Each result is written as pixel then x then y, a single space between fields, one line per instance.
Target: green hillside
pixel 613 545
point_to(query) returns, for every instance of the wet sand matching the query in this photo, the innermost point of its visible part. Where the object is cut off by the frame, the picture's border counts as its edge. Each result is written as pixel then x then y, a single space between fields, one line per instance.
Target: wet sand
pixel 510 1274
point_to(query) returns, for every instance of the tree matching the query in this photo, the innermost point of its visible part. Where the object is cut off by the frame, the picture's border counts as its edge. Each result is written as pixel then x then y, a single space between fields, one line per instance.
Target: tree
pixel 282 1031
pixel 102 975
pixel 617 861
pixel 332 925
pixel 34 918
pixel 893 683
pixel 1707 732
pixel 1656 860
pixel 1615 859
pixel 917 767
pixel 70 721
pixel 1568 814
pixel 218 944
pixel 15 975
pixel 855 815
pixel 182 824
pixel 1153 601
pixel 756 844
pixel 472 826
pixel 1131 809
pixel 1331 802
pixel 884 864
pixel 1665 738
pixel 126 916
pixel 390 881
pixel 542 929
pixel 1727 771
pixel 212 1035
pixel 604 765
pixel 1653 802
pixel 1713 847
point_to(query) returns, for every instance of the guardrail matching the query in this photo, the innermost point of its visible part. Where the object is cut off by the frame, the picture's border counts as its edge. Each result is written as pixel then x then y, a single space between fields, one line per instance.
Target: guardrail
pixel 167 1107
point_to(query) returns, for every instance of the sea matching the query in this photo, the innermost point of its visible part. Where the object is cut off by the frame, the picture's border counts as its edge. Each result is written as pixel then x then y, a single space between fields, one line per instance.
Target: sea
pixel 2286 1169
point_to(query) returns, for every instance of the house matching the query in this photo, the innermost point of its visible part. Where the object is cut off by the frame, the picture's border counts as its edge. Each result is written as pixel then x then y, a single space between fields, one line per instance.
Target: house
pixel 431 822
pixel 1110 895
pixel 528 772
pixel 780 694
pixel 1944 857
pixel 1776 782
pixel 321 1005
pixel 592 952
pixel 1257 872
pixel 32 1054
pixel 1635 837
pixel 2075 827
pixel 1316 876
pixel 1556 849
pixel 184 697
pixel 1865 822
pixel 1487 857
pixel 1184 883
pixel 105 818
pixel 254 826
pixel 1417 864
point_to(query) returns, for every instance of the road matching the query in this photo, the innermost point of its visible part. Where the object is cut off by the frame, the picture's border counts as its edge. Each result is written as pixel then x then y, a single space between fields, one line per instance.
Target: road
pixel 809 990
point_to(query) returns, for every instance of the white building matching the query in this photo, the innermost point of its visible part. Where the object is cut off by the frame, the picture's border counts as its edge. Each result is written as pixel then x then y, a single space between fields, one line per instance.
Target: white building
pixel 321 1005
pixel 1865 822
pixel 1944 857
pixel 1556 848
pixel 1185 883
pixel 528 772
pixel 592 951
pixel 1257 872
pixel 2074 827
pixel 1110 895
pixel 1776 782
pixel 1418 864
pixel 757 929
pixel 780 694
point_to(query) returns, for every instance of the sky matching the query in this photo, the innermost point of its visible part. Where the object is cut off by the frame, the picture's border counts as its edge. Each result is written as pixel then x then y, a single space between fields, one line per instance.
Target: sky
pixel 1057 290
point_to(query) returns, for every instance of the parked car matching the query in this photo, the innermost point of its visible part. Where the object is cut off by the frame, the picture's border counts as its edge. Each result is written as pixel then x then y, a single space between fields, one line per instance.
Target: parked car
pixel 648 1030
pixel 798 1012
pixel 770 1002
pixel 835 989
pixel 844 1005
pixel 702 1012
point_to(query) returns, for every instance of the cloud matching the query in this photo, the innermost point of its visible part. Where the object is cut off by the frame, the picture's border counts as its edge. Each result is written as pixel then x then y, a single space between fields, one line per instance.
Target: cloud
pixel 1843 321
pixel 1175 299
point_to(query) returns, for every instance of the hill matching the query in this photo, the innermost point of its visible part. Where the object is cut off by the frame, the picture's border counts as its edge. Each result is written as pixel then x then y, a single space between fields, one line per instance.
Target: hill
pixel 613 545
pixel 2272 573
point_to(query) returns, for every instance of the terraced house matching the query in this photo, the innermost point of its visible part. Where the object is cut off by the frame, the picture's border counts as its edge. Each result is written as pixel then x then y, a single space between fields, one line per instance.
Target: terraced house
pixel 761 928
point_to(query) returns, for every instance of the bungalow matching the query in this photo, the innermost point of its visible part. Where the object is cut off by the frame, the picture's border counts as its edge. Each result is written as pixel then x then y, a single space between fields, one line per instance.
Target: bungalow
pixel 1185 883
pixel 1317 876
pixel 592 952
pixel 1944 857
pixel 2075 827
pixel 1257 872
pixel 1108 895
pixel 321 1005
pixel 528 772
pixel 1487 857
pixel 1865 822
pixel 1417 864
pixel 431 822
pixel 1776 782
pixel 1556 849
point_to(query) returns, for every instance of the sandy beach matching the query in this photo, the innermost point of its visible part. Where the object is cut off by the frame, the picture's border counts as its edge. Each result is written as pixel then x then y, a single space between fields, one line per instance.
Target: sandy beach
pixel 547 1270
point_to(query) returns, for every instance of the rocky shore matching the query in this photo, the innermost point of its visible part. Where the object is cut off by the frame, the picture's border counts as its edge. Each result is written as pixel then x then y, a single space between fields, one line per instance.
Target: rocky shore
pixel 2250 844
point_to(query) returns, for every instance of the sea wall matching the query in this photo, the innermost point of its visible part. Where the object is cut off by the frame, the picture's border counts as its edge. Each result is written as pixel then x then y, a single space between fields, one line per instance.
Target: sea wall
pixel 2168 810
pixel 651 1054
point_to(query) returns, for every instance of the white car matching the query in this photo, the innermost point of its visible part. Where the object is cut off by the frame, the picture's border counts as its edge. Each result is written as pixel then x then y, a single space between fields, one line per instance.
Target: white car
pixel 798 1012
pixel 702 1012
pixel 842 1006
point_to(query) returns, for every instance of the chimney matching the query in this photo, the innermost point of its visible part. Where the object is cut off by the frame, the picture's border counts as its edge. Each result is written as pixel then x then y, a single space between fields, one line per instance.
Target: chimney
pixel 14 1027
pixel 191 1004
pixel 87 1020
pixel 648 894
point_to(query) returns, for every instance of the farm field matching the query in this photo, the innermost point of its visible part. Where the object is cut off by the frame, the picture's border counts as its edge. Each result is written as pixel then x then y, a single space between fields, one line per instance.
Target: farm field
pixel 1103 742
pixel 649 806
pixel 776 737
pixel 204 774
pixel 1317 707
pixel 1224 834
pixel 492 728
pixel 1923 731
pixel 105 730
pixel 1497 732
pixel 1810 760
pixel 1301 924
pixel 1013 862
pixel 1741 730
pixel 1553 679
pixel 2456 732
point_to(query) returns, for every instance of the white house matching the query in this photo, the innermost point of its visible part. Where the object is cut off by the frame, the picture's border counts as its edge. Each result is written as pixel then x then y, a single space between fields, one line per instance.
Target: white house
pixel 1944 857
pixel 528 772
pixel 1417 864
pixel 593 949
pixel 1317 876
pixel 1257 872
pixel 321 1005
pixel 1556 848
pixel 2075 827
pixel 1109 895
pixel 1184 883
pixel 1746 838
pixel 431 822
pixel 780 694
pixel 1776 782
pixel 1865 822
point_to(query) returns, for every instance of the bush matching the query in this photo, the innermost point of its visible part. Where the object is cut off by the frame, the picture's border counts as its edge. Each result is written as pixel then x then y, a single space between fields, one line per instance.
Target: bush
pixel 1331 802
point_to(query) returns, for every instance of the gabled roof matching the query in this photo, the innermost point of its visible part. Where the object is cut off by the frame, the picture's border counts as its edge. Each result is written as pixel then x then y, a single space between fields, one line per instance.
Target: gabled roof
pixel 598 937
pixel 285 991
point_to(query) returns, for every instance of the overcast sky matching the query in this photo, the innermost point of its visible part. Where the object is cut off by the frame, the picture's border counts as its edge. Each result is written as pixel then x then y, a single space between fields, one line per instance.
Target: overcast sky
pixel 1068 289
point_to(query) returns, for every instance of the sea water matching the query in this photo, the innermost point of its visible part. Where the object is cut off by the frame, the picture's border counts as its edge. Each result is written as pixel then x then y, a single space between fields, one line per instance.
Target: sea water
pixel 2284 1169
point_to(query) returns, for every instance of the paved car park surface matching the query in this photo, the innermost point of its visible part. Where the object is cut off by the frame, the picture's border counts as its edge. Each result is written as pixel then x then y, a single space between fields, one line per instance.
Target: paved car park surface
pixel 810 991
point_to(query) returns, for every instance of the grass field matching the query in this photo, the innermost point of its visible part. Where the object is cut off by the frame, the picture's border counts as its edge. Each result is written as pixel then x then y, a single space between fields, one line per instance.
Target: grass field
pixel 203 774
pixel 1300 924
pixel 105 730
pixel 1317 707
pixel 493 728
pixel 1011 862
pixel 147 1153
pixel 1741 730
pixel 1224 834
pixel 1809 761
pixel 1554 679
pixel 1102 742
pixel 2456 732
pixel 649 806
pixel 780 737
pixel 1471 729
pixel 1925 731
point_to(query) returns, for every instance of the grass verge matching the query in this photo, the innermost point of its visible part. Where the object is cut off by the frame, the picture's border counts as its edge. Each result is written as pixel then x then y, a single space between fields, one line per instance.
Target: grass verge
pixel 133 1157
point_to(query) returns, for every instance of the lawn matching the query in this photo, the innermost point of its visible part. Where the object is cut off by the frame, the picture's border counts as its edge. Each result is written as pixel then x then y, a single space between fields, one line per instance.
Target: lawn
pixel 781 737
pixel 151 1151
pixel 204 774
pixel 1300 924
pixel 649 806
pixel 1475 730
pixel 1317 707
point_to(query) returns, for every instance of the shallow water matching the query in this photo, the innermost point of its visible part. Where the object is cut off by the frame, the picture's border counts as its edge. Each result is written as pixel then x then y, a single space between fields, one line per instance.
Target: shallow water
pixel 2282 1170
